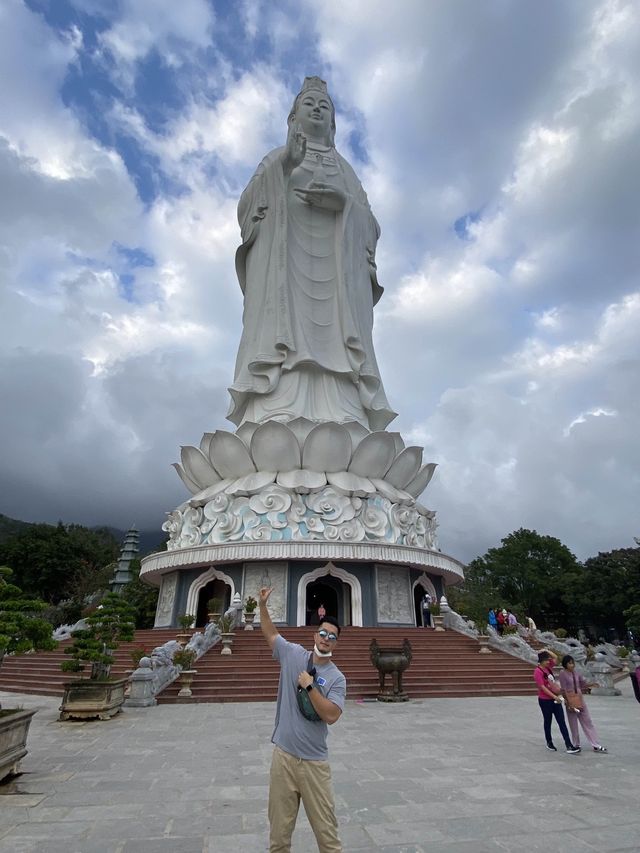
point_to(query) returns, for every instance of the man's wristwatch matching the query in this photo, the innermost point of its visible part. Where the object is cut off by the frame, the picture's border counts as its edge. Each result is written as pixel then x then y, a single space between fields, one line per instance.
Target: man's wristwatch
pixel 309 687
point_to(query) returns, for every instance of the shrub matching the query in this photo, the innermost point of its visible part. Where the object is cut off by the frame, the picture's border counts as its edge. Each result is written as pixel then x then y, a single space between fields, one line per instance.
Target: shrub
pixel 560 633
pixel 250 604
pixel 110 624
pixel 184 658
pixel 186 621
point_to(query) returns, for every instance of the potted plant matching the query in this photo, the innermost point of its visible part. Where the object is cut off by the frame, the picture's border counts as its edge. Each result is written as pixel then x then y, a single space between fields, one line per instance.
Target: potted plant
pixel 186 623
pixel 21 630
pixel 436 617
pixel 214 609
pixel 249 613
pixel 483 640
pixel 226 634
pixel 184 658
pixel 111 623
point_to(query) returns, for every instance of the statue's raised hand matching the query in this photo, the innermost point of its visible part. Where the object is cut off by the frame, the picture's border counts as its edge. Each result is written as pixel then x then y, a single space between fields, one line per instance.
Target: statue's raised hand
pixel 320 194
pixel 295 150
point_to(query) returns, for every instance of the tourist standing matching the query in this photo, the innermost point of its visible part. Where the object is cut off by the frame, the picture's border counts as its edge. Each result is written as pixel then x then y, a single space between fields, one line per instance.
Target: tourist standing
pixel 512 621
pixel 573 684
pixel 426 610
pixel 299 766
pixel 493 620
pixel 501 619
pixel 551 702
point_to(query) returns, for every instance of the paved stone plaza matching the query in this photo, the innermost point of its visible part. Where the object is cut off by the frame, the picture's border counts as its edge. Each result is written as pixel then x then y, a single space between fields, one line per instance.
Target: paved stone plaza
pixel 444 776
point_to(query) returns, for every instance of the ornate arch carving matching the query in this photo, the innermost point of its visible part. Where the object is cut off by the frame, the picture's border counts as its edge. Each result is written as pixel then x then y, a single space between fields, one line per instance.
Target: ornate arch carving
pixel 341 574
pixel 201 581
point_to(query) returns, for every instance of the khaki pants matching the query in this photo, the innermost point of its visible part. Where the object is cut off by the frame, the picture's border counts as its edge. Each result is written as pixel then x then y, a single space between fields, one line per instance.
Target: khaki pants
pixel 294 779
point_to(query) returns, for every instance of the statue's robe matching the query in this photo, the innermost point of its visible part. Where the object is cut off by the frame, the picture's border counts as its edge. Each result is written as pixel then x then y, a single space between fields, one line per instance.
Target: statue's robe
pixel 309 283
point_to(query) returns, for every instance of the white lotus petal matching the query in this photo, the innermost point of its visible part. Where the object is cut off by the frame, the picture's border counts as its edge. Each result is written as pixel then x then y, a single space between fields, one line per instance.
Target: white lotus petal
pixel 197 467
pixel 301 427
pixel 186 479
pixel 397 496
pixel 301 480
pixel 230 455
pixel 203 497
pixel 422 479
pixel 424 511
pixel 251 484
pixel 327 448
pixel 205 441
pixel 275 448
pixel 245 432
pixel 374 455
pixel 357 433
pixel 351 484
pixel 399 442
pixel 405 467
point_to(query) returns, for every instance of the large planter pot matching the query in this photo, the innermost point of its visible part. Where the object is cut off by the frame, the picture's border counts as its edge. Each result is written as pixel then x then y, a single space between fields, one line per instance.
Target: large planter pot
pixel 483 640
pixel 86 699
pixel 249 620
pixel 184 679
pixel 227 641
pixel 438 622
pixel 14 728
pixel 183 637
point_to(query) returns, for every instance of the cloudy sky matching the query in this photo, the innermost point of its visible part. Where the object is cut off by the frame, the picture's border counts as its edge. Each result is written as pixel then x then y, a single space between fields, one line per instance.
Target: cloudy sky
pixel 499 145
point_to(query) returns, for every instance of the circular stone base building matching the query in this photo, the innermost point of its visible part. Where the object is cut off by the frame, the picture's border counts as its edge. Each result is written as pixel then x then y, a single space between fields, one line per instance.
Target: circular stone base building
pixel 322 513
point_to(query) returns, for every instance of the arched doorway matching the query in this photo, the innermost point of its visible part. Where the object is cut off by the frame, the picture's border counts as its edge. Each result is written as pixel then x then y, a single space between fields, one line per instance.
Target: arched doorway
pixel 203 588
pixel 332 579
pixel 422 585
pixel 216 588
pixel 323 591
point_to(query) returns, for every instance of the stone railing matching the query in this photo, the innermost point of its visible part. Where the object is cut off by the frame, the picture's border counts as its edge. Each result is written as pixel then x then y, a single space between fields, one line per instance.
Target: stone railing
pixel 455 622
pixel 565 646
pixel 158 671
pixel 64 632
pixel 512 644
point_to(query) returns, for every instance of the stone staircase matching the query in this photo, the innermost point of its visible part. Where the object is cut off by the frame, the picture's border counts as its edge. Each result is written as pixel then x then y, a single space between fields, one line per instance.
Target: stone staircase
pixel 445 664
pixel 40 672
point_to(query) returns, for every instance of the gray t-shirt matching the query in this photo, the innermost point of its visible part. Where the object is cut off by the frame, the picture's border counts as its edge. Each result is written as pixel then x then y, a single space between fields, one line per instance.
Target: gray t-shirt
pixel 293 732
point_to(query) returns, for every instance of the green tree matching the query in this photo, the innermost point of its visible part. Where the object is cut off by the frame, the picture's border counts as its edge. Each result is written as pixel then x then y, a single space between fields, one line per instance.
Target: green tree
pixel 529 573
pixel 21 629
pixel 58 561
pixel 610 585
pixel 142 597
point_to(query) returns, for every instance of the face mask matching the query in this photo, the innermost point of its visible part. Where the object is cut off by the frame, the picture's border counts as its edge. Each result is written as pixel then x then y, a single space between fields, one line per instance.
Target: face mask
pixel 321 654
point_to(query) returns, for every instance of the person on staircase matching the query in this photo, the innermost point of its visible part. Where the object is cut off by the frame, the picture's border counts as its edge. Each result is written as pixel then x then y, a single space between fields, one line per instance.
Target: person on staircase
pixel 426 610
pixel 299 766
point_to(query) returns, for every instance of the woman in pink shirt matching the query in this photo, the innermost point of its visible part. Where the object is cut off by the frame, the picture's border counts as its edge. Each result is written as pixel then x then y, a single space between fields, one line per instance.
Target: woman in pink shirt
pixel 551 702
pixel 573 683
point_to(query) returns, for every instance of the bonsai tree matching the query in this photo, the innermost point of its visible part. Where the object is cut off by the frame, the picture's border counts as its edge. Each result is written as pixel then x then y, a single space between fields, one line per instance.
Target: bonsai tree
pixel 109 625
pixel 225 623
pixel 214 606
pixel 186 621
pixel 250 604
pixel 21 630
pixel 184 658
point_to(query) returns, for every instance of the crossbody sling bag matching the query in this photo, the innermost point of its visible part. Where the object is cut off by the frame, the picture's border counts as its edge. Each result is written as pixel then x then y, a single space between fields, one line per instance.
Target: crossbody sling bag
pixel 304 700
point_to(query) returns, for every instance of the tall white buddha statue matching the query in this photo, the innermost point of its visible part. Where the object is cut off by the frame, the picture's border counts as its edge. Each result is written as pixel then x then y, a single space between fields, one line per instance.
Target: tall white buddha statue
pixel 307 269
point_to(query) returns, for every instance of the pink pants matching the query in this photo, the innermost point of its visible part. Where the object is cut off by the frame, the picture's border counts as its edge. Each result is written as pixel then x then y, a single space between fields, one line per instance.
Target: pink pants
pixel 584 719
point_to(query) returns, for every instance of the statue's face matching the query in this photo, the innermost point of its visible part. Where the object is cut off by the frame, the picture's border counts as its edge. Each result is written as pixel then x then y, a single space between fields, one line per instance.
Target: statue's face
pixel 314 115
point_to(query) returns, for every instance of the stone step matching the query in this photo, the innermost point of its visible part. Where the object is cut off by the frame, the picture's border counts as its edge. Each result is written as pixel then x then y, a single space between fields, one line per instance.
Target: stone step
pixel 443 664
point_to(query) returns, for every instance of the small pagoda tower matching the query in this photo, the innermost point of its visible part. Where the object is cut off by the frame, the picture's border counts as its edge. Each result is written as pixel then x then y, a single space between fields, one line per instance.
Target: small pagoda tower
pixel 122 575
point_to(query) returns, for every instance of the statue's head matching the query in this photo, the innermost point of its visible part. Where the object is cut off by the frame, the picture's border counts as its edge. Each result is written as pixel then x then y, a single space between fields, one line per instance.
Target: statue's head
pixel 313 109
